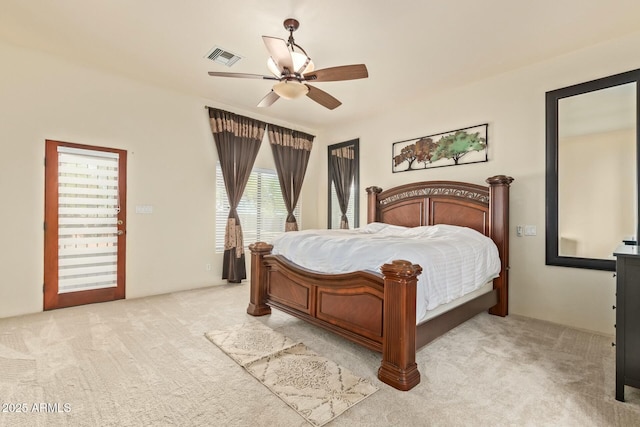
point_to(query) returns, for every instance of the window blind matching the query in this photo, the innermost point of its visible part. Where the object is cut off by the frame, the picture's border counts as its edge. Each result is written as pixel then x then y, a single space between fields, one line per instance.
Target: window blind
pixel 261 210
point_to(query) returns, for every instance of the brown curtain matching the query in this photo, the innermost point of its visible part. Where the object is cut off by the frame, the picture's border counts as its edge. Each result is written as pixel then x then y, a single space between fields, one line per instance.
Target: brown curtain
pixel 238 140
pixel 342 162
pixel 291 150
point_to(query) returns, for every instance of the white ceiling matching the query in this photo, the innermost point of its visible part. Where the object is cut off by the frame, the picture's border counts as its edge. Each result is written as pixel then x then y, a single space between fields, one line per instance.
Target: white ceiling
pixel 411 48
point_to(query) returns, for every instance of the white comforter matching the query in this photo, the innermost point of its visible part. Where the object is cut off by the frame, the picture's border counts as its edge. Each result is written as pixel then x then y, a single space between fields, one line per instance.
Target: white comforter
pixel 454 260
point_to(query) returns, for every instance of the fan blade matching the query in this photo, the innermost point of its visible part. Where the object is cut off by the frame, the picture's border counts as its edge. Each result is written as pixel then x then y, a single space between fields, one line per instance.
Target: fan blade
pixel 279 52
pixel 242 75
pixel 334 74
pixel 323 98
pixel 269 99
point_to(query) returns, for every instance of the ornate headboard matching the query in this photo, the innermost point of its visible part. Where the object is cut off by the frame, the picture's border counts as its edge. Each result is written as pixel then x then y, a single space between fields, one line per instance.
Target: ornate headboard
pixel 441 202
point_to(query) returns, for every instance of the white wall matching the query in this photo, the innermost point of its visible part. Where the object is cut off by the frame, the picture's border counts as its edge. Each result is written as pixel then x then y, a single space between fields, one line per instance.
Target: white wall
pixel 514 106
pixel 171 166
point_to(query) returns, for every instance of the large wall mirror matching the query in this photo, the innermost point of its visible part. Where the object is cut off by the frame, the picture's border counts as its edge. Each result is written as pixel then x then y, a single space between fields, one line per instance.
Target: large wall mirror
pixel 344 185
pixel 592 171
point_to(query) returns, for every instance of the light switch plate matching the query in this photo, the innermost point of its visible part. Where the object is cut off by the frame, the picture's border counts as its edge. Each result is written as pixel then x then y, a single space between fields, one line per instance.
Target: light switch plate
pixel 530 230
pixel 144 209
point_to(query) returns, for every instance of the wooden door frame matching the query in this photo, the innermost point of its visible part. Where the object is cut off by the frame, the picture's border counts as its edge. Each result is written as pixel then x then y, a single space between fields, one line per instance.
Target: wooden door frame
pixel 51 298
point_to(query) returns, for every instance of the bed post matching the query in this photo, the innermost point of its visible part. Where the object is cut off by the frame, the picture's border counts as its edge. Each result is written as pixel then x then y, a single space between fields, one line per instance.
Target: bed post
pixel 398 367
pixel 499 232
pixel 257 297
pixel 372 203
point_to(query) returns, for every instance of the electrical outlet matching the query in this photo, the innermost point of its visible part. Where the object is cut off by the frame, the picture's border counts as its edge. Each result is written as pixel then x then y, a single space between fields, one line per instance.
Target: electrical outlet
pixel 519 230
pixel 207 266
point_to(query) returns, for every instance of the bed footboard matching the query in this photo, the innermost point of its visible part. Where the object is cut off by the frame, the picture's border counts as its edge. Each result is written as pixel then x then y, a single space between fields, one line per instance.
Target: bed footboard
pixel 384 320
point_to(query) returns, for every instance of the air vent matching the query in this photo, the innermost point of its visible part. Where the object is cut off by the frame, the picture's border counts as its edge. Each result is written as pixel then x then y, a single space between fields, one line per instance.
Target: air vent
pixel 222 56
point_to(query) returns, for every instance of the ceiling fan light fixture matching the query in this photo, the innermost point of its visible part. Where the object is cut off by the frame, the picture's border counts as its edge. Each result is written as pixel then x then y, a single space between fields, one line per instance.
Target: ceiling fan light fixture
pixel 299 60
pixel 290 89
pixel 273 68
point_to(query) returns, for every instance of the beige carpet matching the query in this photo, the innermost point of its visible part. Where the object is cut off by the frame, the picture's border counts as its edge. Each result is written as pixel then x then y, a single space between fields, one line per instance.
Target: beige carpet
pixel 315 387
pixel 145 362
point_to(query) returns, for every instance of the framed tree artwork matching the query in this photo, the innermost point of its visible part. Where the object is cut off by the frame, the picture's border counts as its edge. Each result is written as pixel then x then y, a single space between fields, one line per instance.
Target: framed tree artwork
pixel 457 147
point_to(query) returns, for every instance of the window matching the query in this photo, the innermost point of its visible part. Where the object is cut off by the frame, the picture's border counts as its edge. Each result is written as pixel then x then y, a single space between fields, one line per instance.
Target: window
pixel 261 210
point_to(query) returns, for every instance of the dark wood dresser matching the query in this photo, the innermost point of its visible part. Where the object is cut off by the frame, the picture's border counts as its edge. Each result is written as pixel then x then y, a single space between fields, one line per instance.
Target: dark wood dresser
pixel 627 318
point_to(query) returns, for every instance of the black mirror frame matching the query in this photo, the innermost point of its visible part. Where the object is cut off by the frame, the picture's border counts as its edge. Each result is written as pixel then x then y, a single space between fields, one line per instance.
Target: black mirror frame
pixel 356 181
pixel 552 98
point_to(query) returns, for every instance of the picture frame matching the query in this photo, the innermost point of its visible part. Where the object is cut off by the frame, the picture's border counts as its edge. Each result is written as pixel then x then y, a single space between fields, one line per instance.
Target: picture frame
pixel 453 148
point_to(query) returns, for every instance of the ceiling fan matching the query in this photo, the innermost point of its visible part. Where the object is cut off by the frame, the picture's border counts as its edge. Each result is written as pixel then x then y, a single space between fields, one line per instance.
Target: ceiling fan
pixel 293 69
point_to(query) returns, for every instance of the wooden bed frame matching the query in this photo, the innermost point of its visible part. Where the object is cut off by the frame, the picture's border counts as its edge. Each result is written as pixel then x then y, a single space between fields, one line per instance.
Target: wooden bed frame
pixel 378 310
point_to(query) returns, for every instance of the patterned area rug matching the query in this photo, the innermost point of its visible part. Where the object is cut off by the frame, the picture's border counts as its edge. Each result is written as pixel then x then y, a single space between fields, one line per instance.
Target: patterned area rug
pixel 317 388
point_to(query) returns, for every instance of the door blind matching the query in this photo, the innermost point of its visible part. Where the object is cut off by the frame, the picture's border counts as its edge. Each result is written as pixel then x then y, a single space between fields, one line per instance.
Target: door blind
pixel 88 206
